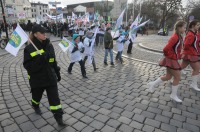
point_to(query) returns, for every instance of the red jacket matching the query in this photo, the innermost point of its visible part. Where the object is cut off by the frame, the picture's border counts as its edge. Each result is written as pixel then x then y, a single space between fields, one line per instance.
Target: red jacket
pixel 172 49
pixel 198 37
pixel 191 44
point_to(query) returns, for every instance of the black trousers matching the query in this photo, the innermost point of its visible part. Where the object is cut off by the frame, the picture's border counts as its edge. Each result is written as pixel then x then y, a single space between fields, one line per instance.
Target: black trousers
pixel 93 62
pixel 52 95
pixel 130 47
pixel 81 65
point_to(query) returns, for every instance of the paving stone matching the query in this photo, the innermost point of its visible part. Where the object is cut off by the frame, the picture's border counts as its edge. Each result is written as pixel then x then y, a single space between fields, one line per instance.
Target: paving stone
pixel 11 128
pixel 71 121
pixel 113 123
pixel 148 114
pixel 182 130
pixel 91 113
pixel 68 129
pixel 39 123
pixel 176 123
pixel 79 126
pixel 162 119
pixel 136 125
pixel 139 118
pixel 141 106
pixel 102 118
pixel 107 106
pixel 148 128
pixel 7 122
pixel 87 119
pixel 117 110
pixel 77 115
pixel 47 128
pixel 97 125
pixel 153 123
pixel 124 120
pixel 179 117
pixel 104 111
pixel 87 129
pixel 21 119
pixel 126 128
pixel 154 110
pixel 26 126
pixel 4 116
pixel 83 109
pixel 168 128
pixel 127 114
pixel 108 129
pixel 190 127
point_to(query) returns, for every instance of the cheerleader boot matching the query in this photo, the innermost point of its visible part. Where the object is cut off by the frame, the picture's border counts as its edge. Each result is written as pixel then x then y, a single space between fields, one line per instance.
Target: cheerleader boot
pixel 173 95
pixel 194 83
pixel 151 85
pixel 183 72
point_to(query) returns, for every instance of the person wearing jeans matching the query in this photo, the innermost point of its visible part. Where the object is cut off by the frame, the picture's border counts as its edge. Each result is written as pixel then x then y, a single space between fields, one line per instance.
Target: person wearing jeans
pixel 108 43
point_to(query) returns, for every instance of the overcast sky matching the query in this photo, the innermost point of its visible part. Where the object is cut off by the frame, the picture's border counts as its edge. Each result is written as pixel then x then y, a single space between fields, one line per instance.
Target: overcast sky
pixel 68 2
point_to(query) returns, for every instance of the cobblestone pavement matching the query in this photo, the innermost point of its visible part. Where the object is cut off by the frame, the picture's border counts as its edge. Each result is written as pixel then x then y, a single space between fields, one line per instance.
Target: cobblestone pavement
pixel 111 100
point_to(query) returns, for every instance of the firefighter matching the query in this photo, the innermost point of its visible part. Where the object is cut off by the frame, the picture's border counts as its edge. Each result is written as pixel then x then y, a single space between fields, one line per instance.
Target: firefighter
pixel 43 72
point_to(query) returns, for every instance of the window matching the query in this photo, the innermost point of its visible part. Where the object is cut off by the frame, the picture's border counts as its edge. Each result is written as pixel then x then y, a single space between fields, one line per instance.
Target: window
pixel 32 10
pixel 13 1
pixel 40 13
pixel 32 15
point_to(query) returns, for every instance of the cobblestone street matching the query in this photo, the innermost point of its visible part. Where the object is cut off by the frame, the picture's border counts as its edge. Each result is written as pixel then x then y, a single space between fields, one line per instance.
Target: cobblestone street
pixel 113 99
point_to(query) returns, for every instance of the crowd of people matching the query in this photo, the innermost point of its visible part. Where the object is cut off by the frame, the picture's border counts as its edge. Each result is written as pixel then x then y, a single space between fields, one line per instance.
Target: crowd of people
pixel 44 72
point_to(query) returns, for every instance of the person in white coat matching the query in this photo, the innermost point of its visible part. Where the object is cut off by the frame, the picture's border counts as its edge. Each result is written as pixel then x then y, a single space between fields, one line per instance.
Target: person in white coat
pixel 89 49
pixel 75 50
pixel 120 45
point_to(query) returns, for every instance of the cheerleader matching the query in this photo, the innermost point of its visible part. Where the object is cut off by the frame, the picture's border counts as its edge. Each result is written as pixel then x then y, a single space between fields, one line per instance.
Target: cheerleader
pixel 172 54
pixel 191 52
pixel 75 54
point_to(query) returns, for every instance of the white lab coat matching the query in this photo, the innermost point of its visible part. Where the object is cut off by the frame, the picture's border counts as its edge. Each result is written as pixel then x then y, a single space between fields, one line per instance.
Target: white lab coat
pixel 119 44
pixel 89 51
pixel 76 56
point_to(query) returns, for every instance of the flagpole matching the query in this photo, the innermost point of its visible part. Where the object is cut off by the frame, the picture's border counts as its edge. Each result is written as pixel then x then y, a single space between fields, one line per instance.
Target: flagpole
pixel 4 19
pixel 126 13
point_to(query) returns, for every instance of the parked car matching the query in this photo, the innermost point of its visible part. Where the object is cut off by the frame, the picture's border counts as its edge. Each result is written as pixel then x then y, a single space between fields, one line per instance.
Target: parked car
pixel 161 32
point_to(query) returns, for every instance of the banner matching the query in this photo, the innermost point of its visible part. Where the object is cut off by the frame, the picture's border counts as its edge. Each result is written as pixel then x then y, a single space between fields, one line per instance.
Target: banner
pixel 17 39
pixel 21 15
pixel 64 44
pixel 60 16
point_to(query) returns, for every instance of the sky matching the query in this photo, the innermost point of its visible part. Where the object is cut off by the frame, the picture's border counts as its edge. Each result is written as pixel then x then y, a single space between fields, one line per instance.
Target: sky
pixel 68 2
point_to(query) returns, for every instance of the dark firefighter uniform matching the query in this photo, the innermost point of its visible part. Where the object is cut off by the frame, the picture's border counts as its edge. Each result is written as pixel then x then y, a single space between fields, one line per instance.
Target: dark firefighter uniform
pixel 43 75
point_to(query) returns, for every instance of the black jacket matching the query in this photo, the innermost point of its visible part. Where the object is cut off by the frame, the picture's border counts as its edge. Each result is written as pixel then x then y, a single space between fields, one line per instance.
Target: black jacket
pixel 42 69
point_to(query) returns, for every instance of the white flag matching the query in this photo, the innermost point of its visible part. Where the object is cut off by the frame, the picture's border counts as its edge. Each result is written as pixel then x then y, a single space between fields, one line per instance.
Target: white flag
pixel 64 44
pixel 17 39
pixel 119 20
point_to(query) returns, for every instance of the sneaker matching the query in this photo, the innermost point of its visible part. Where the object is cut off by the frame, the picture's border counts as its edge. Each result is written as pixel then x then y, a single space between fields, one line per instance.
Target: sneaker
pixel 112 64
pixel 105 63
pixel 95 69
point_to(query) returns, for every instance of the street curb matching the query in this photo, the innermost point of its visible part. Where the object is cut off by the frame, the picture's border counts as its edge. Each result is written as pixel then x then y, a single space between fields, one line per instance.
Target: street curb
pixel 147 48
pixel 24 47
pixel 136 59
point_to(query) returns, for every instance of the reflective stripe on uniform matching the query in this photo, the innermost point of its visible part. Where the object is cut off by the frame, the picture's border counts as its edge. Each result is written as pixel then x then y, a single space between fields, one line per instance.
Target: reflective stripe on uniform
pixel 29 77
pixel 37 103
pixel 51 60
pixel 55 107
pixel 33 54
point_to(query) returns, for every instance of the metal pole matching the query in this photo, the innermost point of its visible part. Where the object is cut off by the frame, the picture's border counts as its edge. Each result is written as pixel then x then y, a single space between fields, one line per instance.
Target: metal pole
pixel 127 13
pixel 133 1
pixel 4 19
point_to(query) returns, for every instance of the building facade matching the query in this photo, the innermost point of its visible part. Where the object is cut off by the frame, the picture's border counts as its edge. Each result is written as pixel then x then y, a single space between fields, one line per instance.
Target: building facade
pixel 17 9
pixel 39 10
